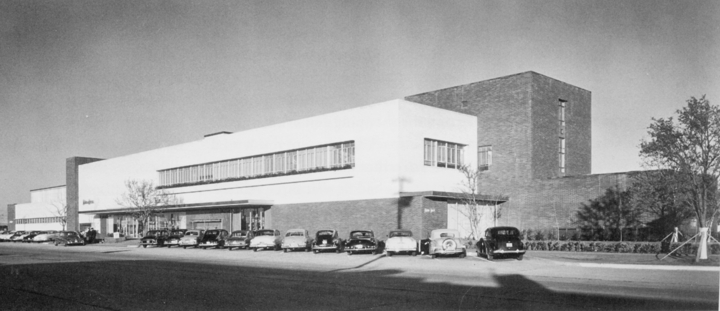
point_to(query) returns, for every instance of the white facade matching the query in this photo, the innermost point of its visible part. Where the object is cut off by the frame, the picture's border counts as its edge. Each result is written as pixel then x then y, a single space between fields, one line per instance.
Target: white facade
pixel 388 159
pixel 44 211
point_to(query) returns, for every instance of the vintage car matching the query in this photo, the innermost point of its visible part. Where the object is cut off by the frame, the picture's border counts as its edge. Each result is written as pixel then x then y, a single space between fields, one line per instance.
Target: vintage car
pixel 327 240
pixel 362 241
pixel 17 236
pixel 47 236
pixel 296 239
pixel 6 236
pixel 28 238
pixel 501 241
pixel 266 239
pixel 174 238
pixel 401 241
pixel 69 238
pixel 239 239
pixel 191 238
pixel 446 242
pixel 214 238
pixel 21 237
pixel 155 238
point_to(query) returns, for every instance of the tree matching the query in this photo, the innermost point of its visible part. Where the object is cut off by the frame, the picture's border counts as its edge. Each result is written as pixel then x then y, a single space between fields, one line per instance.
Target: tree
pixel 60 209
pixel 659 194
pixel 690 148
pixel 608 214
pixel 473 202
pixel 143 200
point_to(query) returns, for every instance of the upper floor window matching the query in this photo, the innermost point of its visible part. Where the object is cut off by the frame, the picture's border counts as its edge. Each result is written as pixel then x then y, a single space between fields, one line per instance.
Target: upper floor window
pixel 443 154
pixel 484 157
pixel 561 135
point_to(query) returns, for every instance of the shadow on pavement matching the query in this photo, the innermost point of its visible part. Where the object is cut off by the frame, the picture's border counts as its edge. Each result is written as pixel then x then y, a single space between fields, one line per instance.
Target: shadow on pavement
pixel 171 285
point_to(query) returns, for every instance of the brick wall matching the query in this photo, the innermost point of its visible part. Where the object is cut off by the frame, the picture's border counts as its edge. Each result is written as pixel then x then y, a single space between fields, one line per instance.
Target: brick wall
pixel 72 188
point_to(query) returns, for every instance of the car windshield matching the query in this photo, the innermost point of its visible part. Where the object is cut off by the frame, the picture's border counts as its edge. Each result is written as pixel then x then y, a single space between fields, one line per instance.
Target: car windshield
pixel 192 233
pixel 507 232
pixel 240 234
pixel 178 232
pixel 157 233
pixel 447 235
pixel 400 234
pixel 361 234
pixel 212 232
pixel 295 233
pixel 69 234
pixel 265 232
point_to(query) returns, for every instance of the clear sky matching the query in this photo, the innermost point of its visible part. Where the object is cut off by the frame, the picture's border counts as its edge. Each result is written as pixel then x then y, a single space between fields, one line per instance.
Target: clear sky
pixel 110 78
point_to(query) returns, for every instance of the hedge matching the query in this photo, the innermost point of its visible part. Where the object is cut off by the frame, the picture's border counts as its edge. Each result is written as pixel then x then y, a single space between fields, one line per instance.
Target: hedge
pixel 613 247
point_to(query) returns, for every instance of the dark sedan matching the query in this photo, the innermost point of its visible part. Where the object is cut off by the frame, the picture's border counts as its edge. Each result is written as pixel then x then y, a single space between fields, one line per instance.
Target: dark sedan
pixel 174 238
pixel 155 238
pixel 214 238
pixel 66 238
pixel 327 240
pixel 501 241
pixel 239 239
pixel 362 241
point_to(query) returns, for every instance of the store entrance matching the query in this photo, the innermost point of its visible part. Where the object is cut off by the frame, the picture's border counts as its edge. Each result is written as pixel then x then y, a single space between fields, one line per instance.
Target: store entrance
pixel 253 219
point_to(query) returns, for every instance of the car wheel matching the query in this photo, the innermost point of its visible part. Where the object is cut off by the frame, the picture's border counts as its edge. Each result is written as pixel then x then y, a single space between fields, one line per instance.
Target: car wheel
pixel 349 253
pixel 520 257
pixel 254 249
pixel 316 252
pixel 337 251
pixel 184 247
pixel 285 250
pixel 56 244
pixel 413 254
pixel 433 256
pixel 144 246
pixel 389 254
pixel 463 254
pixel 65 245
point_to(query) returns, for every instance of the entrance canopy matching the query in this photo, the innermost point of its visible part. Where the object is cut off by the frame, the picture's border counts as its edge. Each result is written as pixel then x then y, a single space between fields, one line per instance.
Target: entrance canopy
pixel 190 207
pixel 455 196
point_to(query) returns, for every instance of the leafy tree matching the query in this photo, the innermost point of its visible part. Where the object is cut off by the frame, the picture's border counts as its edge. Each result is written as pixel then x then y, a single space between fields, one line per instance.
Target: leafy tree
pixel 143 200
pixel 608 214
pixel 691 149
pixel 659 194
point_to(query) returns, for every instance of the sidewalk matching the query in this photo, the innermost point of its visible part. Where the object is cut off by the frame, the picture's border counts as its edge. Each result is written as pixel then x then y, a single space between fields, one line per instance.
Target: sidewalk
pixel 629 261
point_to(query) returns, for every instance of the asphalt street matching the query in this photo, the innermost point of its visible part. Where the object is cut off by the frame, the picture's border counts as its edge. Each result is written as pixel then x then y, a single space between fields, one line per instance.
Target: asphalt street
pixel 106 277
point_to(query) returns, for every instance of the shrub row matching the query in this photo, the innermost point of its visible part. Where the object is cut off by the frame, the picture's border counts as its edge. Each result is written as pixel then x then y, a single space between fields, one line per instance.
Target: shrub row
pixel 613 247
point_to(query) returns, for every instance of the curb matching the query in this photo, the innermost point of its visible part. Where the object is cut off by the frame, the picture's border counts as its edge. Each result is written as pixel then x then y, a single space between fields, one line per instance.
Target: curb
pixel 649 267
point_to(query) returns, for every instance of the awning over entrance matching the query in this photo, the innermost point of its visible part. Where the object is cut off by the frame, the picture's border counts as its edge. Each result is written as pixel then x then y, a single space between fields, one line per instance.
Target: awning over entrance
pixel 455 196
pixel 191 207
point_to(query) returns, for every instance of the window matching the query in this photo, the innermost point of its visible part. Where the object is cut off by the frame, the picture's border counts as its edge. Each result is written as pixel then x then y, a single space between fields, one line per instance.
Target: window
pixel 484 157
pixel 443 154
pixel 561 135
pixel 326 157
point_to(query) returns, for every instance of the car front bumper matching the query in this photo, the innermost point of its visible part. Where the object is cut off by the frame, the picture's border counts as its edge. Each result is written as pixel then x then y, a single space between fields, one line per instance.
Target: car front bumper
pixel 503 252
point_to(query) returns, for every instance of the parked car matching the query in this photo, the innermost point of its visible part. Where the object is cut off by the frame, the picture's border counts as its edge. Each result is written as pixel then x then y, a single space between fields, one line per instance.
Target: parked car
pixel 174 237
pixel 446 242
pixel 296 239
pixel 327 240
pixel 155 238
pixel 362 241
pixel 501 241
pixel 214 238
pixel 69 238
pixel 17 235
pixel 266 239
pixel 239 239
pixel 21 237
pixel 48 236
pixel 28 238
pixel 6 236
pixel 401 241
pixel 192 238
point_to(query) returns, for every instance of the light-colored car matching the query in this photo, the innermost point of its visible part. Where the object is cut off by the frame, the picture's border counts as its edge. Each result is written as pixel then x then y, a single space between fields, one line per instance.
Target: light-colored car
pixel 48 236
pixel 191 238
pixel 446 242
pixel 401 241
pixel 296 239
pixel 69 238
pixel 266 239
pixel 7 236
pixel 21 237
pixel 239 239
